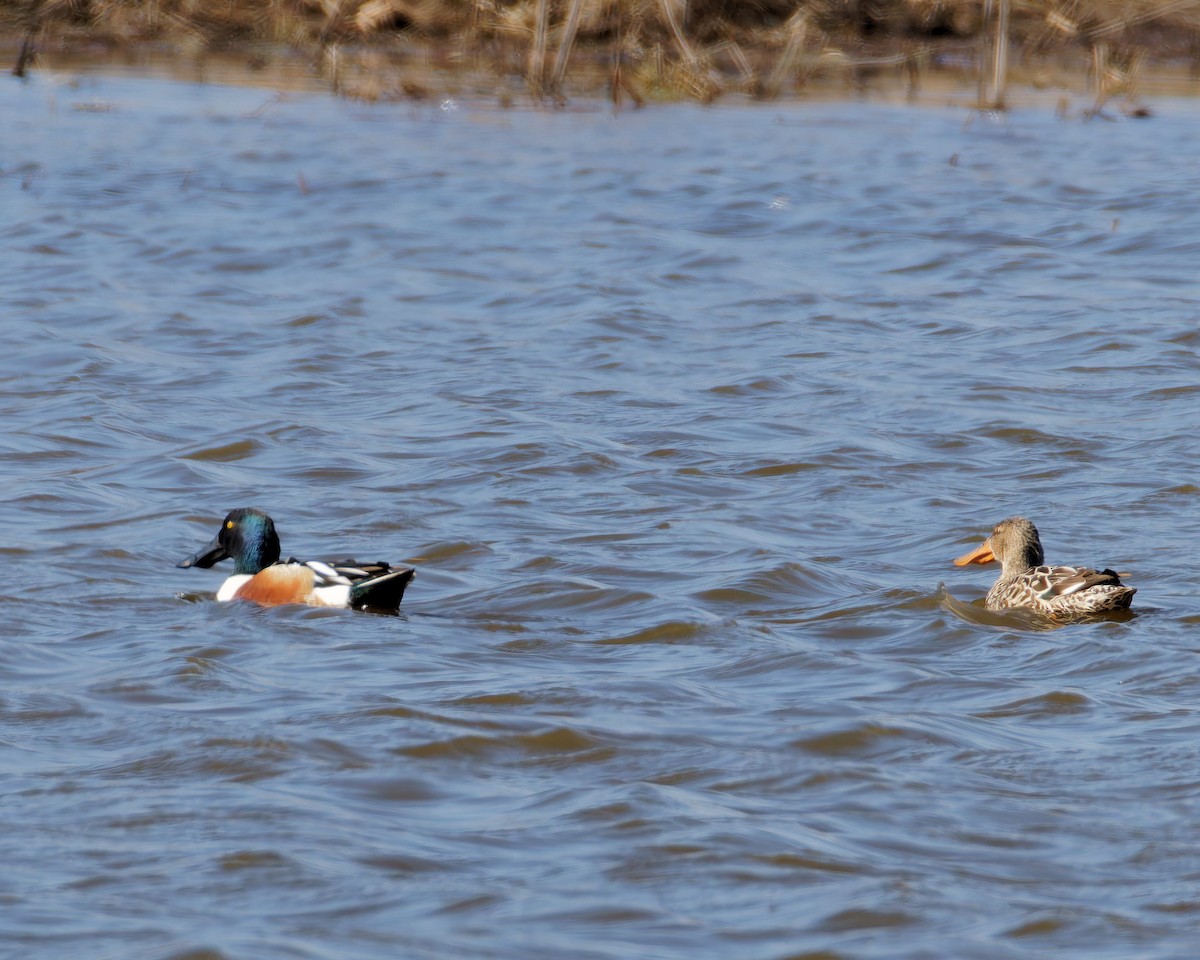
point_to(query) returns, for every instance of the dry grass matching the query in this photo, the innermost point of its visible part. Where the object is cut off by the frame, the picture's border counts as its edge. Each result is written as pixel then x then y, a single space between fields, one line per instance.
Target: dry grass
pixel 699 49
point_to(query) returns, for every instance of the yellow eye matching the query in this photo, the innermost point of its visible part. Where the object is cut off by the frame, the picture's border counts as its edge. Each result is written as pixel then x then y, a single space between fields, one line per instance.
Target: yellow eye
pixel 228 524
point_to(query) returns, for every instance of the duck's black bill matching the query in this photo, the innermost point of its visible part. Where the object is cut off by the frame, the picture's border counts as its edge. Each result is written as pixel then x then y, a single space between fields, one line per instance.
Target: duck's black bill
pixel 213 553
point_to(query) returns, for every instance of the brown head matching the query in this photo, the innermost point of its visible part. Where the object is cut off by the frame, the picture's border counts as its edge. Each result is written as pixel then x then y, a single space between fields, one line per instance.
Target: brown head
pixel 1014 542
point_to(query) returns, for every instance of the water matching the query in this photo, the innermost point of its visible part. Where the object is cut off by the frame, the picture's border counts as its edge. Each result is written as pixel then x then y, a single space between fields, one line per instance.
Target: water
pixel 681 414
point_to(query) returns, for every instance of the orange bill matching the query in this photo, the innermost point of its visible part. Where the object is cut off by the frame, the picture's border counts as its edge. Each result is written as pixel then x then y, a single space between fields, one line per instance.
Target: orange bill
pixel 981 554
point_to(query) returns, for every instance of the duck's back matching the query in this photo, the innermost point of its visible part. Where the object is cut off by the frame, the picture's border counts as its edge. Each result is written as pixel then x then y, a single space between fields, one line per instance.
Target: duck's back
pixel 1062 591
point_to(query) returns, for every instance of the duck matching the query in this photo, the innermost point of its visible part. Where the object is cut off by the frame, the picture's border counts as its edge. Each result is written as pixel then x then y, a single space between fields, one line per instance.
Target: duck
pixel 1060 592
pixel 248 538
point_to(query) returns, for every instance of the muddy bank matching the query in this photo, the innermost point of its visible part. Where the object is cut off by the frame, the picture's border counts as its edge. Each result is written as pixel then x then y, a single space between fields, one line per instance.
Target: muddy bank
pixel 636 50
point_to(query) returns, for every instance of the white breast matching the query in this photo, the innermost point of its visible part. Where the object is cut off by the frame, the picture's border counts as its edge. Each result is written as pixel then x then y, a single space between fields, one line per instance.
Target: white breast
pixel 231 586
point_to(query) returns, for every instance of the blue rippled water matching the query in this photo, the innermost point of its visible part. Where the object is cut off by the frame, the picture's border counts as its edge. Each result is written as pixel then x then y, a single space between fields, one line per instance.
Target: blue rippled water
pixel 681 415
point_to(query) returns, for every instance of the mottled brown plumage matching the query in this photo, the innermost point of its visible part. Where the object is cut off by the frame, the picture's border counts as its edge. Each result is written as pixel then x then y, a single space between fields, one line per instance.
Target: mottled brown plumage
pixel 1060 592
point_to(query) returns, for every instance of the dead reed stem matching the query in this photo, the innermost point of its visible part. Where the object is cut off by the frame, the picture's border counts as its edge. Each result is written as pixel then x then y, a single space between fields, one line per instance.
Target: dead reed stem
pixel 1129 19
pixel 669 14
pixel 621 85
pixel 692 75
pixel 1099 69
pixel 24 57
pixel 785 66
pixel 993 65
pixel 537 54
pixel 565 45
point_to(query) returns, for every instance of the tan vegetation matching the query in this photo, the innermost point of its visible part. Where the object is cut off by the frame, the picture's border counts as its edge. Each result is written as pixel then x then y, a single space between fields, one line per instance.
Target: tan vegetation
pixel 639 48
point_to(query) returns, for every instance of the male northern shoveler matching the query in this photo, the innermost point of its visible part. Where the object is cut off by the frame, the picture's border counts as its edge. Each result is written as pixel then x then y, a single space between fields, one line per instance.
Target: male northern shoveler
pixel 1060 592
pixel 248 538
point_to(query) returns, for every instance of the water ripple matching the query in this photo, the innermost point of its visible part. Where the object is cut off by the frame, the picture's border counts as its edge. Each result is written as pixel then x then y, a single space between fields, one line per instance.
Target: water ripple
pixel 682 414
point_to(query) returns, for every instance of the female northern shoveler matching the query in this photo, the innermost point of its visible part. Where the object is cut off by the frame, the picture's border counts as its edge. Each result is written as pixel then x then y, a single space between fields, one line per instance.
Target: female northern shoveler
pixel 1059 592
pixel 248 538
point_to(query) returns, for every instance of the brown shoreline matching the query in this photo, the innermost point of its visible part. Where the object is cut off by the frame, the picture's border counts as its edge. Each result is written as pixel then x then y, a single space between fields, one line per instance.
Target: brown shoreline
pixel 632 51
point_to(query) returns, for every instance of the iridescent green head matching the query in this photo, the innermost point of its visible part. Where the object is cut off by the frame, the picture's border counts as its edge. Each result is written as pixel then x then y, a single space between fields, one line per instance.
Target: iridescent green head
pixel 247 536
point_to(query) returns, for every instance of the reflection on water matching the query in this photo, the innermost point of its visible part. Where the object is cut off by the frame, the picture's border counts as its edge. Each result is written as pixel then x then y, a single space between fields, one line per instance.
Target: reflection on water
pixel 682 415
pixel 1021 618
